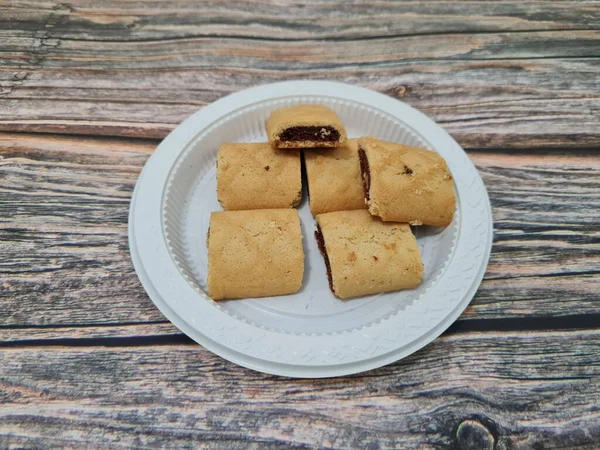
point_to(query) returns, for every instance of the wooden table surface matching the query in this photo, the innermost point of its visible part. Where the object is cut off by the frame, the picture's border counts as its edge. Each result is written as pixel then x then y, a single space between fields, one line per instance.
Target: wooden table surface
pixel 88 89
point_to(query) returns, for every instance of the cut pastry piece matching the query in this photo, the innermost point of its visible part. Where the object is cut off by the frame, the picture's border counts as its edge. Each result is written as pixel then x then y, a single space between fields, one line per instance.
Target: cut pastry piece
pixel 305 126
pixel 254 253
pixel 333 176
pixel 258 176
pixel 364 255
pixel 406 184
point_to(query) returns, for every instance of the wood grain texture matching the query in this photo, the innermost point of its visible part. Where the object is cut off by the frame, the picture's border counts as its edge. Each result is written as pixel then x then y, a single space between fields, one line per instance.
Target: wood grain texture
pixel 63 232
pixel 546 251
pixel 64 209
pixel 522 390
pixel 490 81
pixel 136 20
pixel 487 104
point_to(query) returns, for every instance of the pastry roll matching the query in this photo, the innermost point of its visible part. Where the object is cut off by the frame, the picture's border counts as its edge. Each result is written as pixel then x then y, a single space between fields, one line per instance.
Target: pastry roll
pixel 333 176
pixel 364 255
pixel 254 253
pixel 406 184
pixel 305 126
pixel 258 176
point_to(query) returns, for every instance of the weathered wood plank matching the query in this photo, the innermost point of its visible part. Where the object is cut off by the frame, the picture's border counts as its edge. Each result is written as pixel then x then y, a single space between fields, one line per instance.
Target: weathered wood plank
pixel 59 63
pixel 483 104
pixel 546 250
pixel 519 390
pixel 63 235
pixel 114 20
pixel 63 221
pixel 294 55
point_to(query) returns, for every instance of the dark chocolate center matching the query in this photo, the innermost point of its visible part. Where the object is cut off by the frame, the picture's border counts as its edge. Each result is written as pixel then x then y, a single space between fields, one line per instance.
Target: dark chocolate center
pixel 365 173
pixel 320 134
pixel 323 250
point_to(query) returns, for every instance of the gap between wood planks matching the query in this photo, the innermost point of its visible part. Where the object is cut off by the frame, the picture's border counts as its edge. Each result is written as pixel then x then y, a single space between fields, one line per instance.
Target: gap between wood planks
pixel 321 39
pixel 507 325
pixel 585 150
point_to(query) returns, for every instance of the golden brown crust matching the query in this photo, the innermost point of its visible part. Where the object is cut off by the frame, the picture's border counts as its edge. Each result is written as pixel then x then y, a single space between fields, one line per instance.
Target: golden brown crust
pixel 258 176
pixel 368 256
pixel 304 116
pixel 408 184
pixel 254 253
pixel 333 176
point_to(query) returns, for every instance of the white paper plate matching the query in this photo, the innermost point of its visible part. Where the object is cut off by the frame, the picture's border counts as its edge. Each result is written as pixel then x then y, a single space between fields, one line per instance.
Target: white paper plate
pixel 311 333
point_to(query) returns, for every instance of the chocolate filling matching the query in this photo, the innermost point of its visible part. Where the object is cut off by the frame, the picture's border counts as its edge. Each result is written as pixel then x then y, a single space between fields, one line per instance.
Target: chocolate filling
pixel 323 250
pixel 365 173
pixel 320 134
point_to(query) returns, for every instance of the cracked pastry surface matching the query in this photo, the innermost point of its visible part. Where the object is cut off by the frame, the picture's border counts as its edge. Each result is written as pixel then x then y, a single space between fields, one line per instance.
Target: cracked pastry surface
pixel 406 184
pixel 365 255
pixel 254 253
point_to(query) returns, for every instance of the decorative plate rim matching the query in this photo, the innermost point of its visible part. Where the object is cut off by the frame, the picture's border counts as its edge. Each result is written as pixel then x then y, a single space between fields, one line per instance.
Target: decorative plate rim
pixel 300 355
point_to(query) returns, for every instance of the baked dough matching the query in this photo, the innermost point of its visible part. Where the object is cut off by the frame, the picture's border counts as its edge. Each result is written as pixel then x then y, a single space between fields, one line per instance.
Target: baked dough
pixel 305 126
pixel 333 177
pixel 258 176
pixel 366 256
pixel 254 253
pixel 406 184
